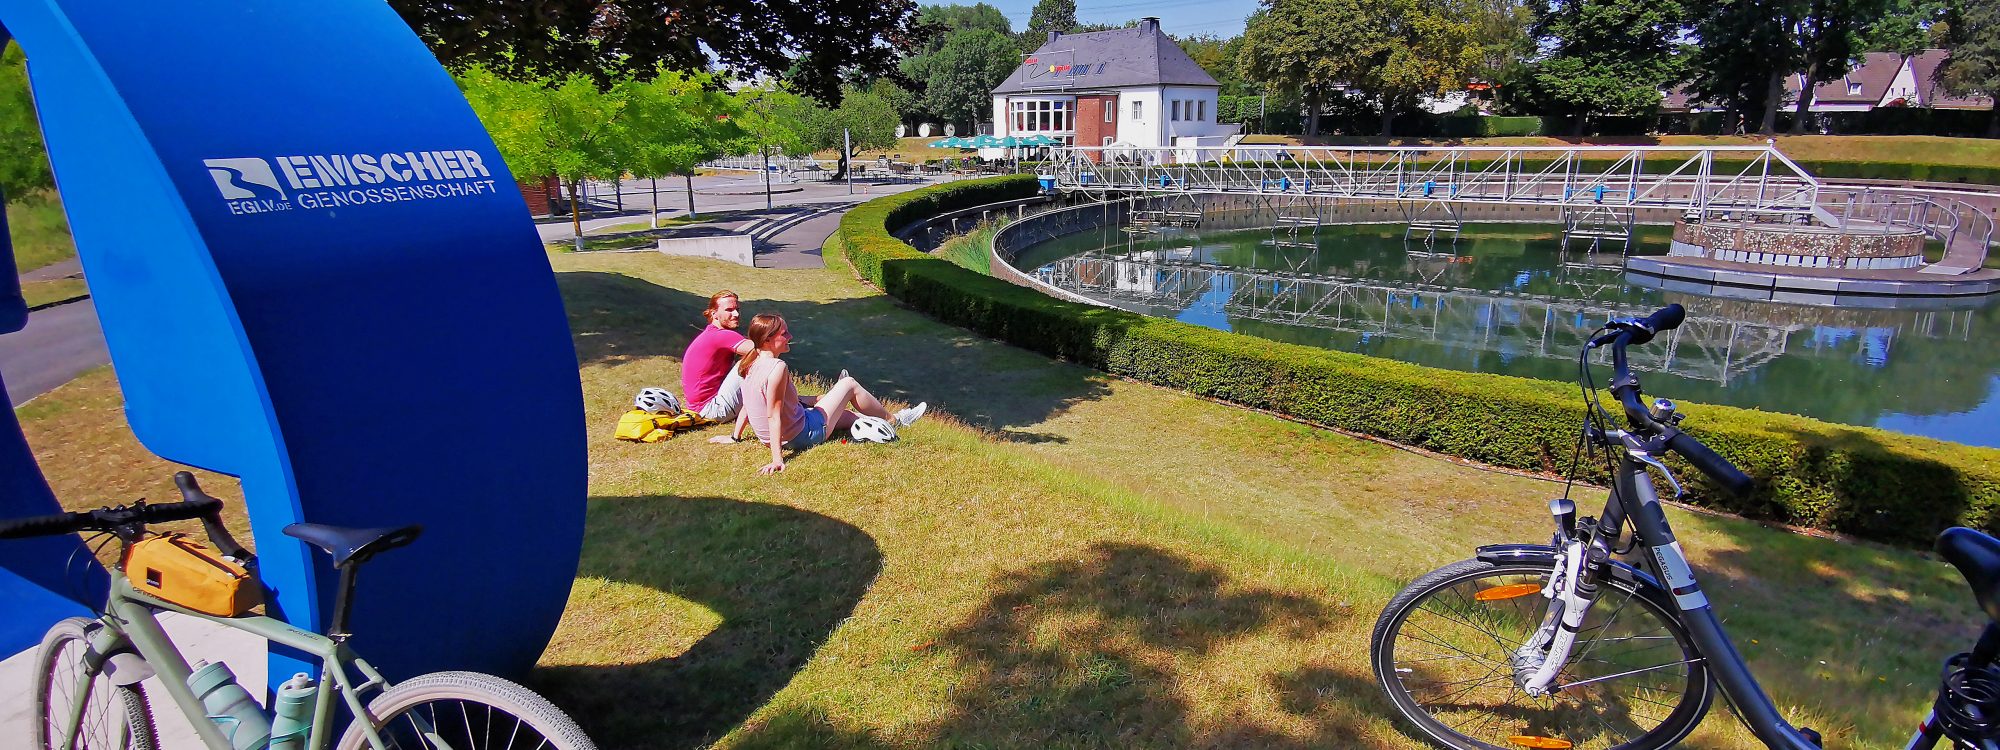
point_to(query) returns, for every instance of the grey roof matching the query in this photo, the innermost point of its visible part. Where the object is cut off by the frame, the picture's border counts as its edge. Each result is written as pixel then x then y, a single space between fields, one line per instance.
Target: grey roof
pixel 1875 71
pixel 1141 56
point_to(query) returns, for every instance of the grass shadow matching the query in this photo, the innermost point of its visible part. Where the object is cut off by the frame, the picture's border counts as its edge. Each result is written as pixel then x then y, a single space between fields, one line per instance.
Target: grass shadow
pixel 1086 652
pixel 614 317
pixel 781 579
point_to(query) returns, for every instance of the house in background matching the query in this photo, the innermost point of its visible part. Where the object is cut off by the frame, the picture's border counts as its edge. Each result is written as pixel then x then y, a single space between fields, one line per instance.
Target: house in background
pixel 1875 80
pixel 1124 88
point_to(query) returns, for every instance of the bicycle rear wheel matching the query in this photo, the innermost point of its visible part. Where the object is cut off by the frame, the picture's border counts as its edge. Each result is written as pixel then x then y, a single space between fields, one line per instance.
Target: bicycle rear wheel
pixel 114 717
pixel 466 711
pixel 1443 650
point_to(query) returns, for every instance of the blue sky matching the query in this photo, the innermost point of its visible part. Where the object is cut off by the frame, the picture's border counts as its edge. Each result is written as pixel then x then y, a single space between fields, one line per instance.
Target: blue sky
pixel 1223 18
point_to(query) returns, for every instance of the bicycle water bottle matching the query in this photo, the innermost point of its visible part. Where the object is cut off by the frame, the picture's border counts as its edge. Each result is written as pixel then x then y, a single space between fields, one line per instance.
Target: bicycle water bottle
pixel 293 717
pixel 229 706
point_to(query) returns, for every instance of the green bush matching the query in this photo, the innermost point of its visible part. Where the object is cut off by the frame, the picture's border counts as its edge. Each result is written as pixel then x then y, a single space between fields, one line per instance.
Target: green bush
pixel 1509 126
pixel 1866 482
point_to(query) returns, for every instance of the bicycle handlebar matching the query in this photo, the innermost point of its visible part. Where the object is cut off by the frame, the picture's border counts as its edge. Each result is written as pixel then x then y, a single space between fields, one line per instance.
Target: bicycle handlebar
pixel 1710 463
pixel 197 505
pixel 1625 386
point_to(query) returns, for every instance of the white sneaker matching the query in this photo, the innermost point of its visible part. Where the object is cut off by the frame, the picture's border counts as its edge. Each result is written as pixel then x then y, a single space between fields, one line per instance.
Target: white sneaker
pixel 906 416
pixel 843 375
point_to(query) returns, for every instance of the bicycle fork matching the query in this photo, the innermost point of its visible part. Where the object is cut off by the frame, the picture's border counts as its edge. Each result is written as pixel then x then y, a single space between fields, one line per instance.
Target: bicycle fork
pixel 1571 590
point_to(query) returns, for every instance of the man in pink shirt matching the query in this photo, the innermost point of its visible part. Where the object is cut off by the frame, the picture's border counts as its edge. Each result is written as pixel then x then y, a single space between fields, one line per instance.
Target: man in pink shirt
pixel 708 377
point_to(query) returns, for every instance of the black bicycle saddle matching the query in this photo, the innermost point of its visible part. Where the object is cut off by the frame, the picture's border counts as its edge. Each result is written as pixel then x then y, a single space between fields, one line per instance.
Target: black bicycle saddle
pixel 1977 557
pixel 355 546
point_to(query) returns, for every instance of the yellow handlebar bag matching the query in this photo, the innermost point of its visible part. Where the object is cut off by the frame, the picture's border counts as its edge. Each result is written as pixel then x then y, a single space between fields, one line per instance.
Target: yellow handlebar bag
pixel 186 572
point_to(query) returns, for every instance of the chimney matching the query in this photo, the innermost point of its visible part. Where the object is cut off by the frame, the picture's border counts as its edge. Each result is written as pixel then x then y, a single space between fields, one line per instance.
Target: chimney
pixel 1149 25
pixel 1053 34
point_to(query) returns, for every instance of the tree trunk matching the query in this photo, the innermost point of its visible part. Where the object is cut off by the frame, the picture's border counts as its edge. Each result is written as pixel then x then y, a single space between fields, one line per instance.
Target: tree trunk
pixel 656 202
pixel 690 186
pixel 1582 119
pixel 1993 122
pixel 1774 95
pixel 1312 114
pixel 1388 117
pixel 1805 98
pixel 576 213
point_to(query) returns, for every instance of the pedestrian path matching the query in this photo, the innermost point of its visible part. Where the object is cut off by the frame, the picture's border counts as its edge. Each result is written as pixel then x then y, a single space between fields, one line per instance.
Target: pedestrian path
pixel 198 640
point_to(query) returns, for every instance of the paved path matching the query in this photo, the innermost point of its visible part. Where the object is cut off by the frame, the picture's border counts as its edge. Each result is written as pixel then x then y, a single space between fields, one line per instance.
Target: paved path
pixel 61 269
pixel 58 344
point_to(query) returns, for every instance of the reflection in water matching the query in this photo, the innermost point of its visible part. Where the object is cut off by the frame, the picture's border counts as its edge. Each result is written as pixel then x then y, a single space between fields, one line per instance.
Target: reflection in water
pixel 1509 299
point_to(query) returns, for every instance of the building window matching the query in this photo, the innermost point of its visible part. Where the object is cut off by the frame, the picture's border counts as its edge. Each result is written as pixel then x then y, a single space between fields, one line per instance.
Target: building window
pixel 1110 111
pixel 1138 111
pixel 1853 88
pixel 1201 110
pixel 1041 116
pixel 1177 110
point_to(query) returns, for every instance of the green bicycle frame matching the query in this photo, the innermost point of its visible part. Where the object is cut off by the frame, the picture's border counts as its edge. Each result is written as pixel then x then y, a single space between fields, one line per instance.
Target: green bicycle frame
pixel 132 625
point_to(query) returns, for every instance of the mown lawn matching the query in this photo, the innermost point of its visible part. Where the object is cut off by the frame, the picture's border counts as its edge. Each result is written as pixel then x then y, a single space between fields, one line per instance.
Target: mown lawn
pixel 1056 558
pixel 39 293
pixel 1921 149
pixel 39 231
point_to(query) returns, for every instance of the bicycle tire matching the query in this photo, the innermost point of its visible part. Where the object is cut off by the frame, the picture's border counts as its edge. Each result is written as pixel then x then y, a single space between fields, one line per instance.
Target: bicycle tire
pixel 115 717
pixel 1441 613
pixel 469 711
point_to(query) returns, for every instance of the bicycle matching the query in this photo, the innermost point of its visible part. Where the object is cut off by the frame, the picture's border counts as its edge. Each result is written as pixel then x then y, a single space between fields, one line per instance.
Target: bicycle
pixel 1564 645
pixel 88 670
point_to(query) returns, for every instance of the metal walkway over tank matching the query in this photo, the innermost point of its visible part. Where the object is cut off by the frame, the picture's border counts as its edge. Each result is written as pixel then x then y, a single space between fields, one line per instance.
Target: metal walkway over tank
pixel 1511 323
pixel 1597 189
pixel 1751 179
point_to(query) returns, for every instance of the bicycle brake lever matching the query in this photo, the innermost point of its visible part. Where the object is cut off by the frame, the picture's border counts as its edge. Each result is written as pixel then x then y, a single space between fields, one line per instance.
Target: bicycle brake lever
pixel 1649 460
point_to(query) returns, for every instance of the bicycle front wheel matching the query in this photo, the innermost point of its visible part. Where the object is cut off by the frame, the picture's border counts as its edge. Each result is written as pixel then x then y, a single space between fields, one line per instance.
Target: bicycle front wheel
pixel 466 711
pixel 1444 652
pixel 114 717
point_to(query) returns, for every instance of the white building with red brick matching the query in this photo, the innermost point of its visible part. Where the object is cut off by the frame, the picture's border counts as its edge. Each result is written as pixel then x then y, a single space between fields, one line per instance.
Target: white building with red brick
pixel 1123 88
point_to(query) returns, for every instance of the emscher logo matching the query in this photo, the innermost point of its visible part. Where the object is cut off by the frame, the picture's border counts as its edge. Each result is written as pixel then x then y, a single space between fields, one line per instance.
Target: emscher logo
pixel 247 181
pixel 254 185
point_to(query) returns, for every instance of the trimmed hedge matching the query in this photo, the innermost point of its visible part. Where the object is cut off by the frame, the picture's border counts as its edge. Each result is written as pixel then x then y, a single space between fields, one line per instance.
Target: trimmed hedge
pixel 1867 482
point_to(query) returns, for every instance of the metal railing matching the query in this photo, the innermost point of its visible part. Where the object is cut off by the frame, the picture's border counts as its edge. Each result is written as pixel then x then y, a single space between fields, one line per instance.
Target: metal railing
pixel 1966 231
pixel 1747 179
pixel 755 163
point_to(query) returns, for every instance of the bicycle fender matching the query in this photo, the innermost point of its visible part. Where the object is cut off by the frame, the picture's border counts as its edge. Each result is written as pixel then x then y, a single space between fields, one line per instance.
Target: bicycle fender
pixel 125 669
pixel 1542 554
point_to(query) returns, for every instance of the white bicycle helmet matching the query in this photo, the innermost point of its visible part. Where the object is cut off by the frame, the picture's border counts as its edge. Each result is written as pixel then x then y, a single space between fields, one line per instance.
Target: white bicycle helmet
pixel 657 401
pixel 871 430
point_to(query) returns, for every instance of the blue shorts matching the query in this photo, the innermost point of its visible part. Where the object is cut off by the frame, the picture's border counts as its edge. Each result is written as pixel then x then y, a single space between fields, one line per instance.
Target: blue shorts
pixel 812 434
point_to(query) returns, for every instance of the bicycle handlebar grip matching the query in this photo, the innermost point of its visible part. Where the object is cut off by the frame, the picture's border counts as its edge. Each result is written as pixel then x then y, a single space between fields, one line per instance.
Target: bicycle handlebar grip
pixel 181 511
pixel 61 523
pixel 1665 319
pixel 1715 466
pixel 191 490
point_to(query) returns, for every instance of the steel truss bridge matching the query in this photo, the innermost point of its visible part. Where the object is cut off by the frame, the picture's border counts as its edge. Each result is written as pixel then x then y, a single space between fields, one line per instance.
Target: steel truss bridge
pixel 1597 189
pixel 1512 324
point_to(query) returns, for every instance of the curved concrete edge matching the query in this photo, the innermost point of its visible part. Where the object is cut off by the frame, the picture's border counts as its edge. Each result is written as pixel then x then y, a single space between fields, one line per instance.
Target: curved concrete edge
pixel 1784 287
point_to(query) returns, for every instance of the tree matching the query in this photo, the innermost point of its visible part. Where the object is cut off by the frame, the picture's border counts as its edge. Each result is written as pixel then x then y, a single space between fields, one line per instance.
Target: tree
pixel 960 78
pixel 1050 15
pixel 1217 56
pixel 1974 65
pixel 1906 27
pixel 1747 48
pixel 940 23
pixel 949 18
pixel 672 123
pixel 1309 47
pixel 1605 57
pixel 24 162
pixel 1431 52
pixel 820 44
pixel 566 127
